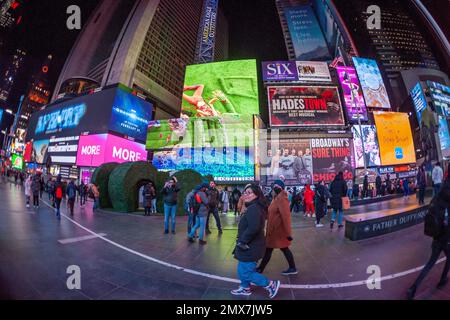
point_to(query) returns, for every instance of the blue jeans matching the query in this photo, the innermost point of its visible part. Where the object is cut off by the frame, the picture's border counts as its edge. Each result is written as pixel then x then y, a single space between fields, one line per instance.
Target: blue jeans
pixel 191 221
pixel 350 193
pixel 96 204
pixel 340 216
pixel 169 211
pixel 436 189
pixel 200 222
pixel 153 210
pixel 247 274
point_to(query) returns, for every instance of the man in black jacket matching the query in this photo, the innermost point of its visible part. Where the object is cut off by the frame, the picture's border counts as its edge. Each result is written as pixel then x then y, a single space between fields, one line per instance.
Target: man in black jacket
pixel 170 194
pixel 440 243
pixel 213 204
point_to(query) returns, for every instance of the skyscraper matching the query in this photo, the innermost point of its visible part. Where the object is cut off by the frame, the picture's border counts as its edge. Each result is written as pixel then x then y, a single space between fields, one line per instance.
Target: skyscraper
pixel 143 44
pixel 9 75
pixel 37 94
pixel 399 45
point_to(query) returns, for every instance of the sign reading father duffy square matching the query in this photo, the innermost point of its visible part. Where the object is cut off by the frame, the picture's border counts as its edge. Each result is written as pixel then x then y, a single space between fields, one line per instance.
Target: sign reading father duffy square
pixel 305 106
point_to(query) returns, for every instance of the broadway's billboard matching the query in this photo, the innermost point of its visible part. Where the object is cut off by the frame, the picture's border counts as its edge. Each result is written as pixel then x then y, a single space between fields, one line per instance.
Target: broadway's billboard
pixel 296 71
pixel 302 106
pixel 372 83
pixel 354 101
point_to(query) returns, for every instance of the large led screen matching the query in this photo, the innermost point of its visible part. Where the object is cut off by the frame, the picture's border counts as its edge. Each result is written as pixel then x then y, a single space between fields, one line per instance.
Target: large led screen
pixel 1 116
pixel 63 150
pixel 130 115
pixel 372 83
pixel 305 106
pixel 371 149
pixel 112 109
pixel 235 164
pixel 39 153
pixel 444 136
pixel 221 88
pixel 227 131
pixel 354 101
pixel 17 161
pixel 95 150
pixel 307 37
pixel 395 138
pixel 419 101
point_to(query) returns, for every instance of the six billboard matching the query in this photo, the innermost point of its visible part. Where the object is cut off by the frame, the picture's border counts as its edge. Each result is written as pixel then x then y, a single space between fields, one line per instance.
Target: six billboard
pixel 372 84
pixel 371 148
pixel 279 71
pixel 351 88
pixel 302 106
pixel 395 138
pixel 307 37
pixel 220 88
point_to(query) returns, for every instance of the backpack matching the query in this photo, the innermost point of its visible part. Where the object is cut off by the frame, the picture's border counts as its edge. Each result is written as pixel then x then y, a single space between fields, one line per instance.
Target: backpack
pixel 58 192
pixel 71 192
pixel 195 203
pixel 434 219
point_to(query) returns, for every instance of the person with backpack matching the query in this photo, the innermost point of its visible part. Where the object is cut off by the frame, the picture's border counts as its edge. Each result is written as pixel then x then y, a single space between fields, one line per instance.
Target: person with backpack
pixel 58 196
pixel 170 193
pixel 71 192
pixel 189 209
pixel 200 209
pixel 437 226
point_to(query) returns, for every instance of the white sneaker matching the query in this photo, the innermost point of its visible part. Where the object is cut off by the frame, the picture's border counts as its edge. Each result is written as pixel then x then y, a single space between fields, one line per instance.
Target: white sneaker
pixel 28 205
pixel 319 225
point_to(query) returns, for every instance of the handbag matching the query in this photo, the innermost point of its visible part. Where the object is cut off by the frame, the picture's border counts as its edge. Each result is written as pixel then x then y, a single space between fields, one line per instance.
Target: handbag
pixel 345 203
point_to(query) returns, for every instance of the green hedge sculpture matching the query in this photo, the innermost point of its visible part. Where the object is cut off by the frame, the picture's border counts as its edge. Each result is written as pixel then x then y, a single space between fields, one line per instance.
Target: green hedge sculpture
pixel 125 182
pixel 101 178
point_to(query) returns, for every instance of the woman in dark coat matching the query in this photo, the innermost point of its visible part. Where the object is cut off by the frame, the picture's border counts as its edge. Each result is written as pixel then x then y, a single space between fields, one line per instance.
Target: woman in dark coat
pixel 250 246
pixel 338 189
pixel 365 187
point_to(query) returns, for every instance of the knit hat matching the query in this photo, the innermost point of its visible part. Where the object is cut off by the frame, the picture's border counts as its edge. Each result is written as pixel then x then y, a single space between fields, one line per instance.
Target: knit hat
pixel 280 183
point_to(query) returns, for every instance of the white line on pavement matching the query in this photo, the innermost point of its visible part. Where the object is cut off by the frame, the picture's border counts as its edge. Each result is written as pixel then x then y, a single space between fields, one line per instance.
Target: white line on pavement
pixel 79 239
pixel 231 280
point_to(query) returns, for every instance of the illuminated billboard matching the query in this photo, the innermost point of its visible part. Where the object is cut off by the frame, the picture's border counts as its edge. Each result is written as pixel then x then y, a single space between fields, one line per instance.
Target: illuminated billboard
pixel 221 88
pixel 39 152
pixel 307 37
pixel 296 71
pixel 371 148
pixel 114 109
pixel 17 161
pixel 302 106
pixel 95 150
pixel 419 101
pixel 354 101
pixel 1 116
pixel 235 164
pixel 372 83
pixel 395 138
pixel 444 136
pixel 63 150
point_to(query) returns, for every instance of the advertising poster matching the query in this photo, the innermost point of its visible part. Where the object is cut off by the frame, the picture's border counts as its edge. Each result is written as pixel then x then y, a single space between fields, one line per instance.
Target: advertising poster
pixel 224 164
pixel 220 88
pixel 372 83
pixel 39 153
pixel 214 132
pixel 94 150
pixel 331 156
pixel 311 71
pixel 279 71
pixel 371 148
pixel 17 162
pixel 354 101
pixel 444 136
pixel 307 37
pixel 88 114
pixel 130 115
pixel 395 138
pixel 419 101
pixel 207 34
pixel 291 159
pixel 28 151
pixel 305 106
pixel 63 150
pixel 1 116
pixel 328 24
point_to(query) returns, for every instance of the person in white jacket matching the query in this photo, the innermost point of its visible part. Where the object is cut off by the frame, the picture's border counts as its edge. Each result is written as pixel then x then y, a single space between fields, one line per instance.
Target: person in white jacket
pixel 437 175
pixel 28 190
